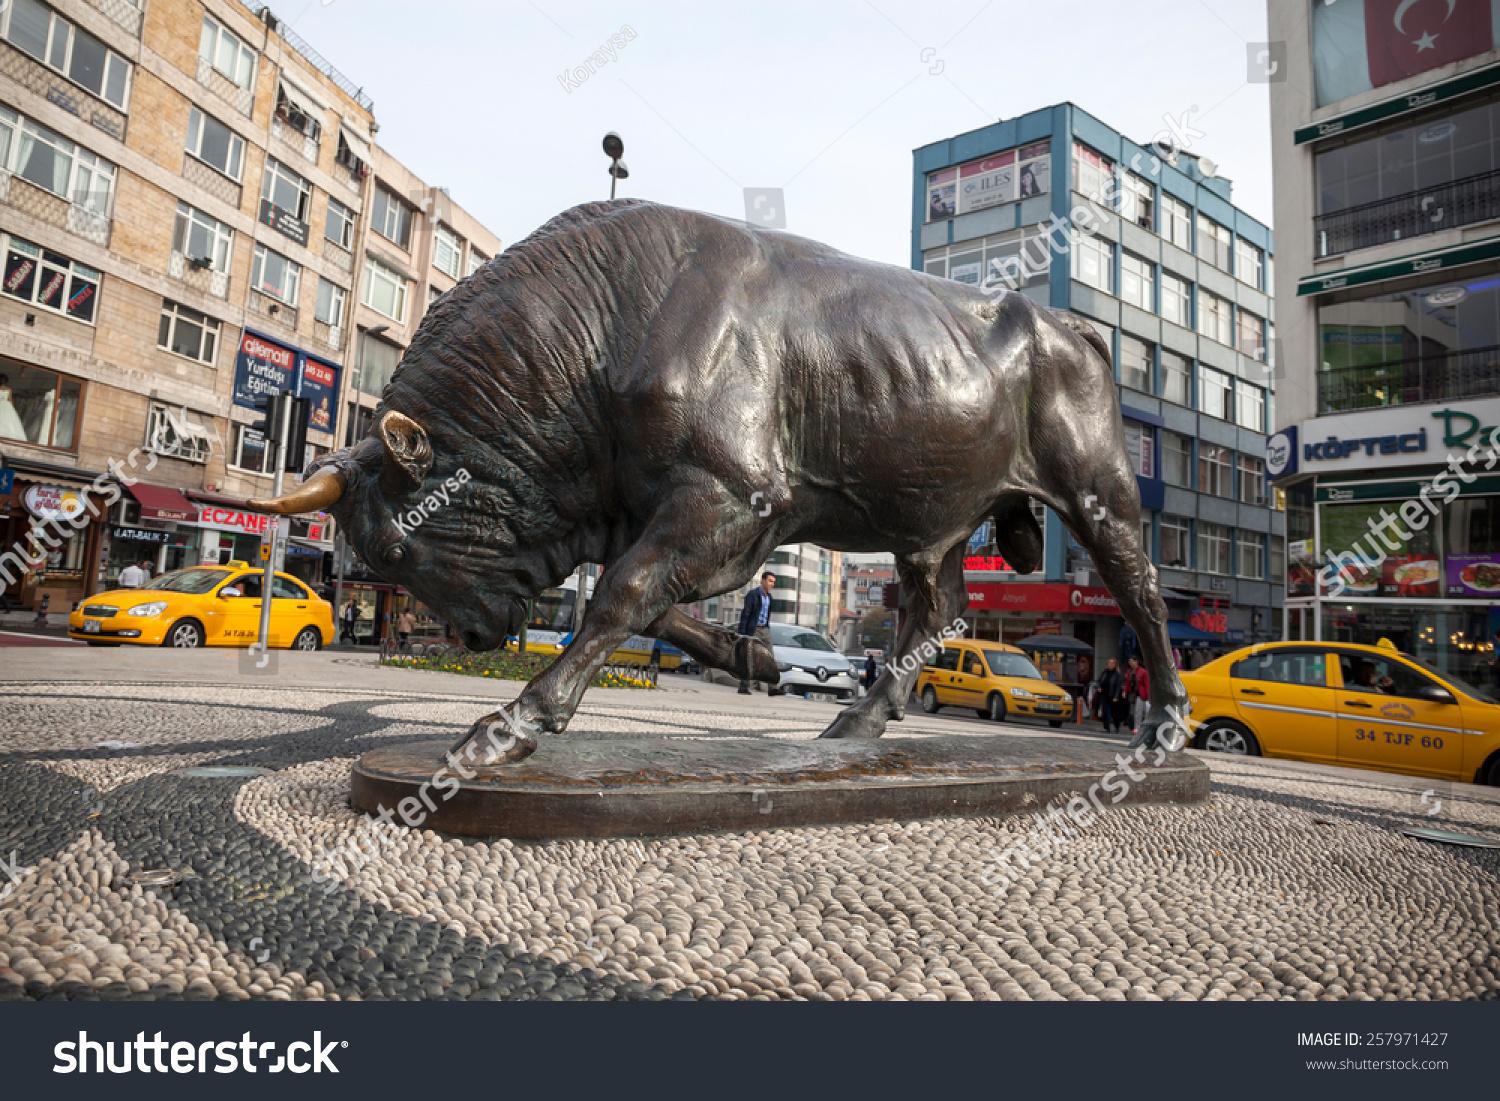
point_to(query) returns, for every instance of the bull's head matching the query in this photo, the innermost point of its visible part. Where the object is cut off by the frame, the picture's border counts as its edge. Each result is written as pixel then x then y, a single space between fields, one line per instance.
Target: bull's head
pixel 419 529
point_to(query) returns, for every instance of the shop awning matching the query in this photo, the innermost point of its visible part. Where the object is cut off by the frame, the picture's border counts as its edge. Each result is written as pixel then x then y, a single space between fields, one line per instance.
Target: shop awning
pixel 1185 636
pixel 1057 644
pixel 163 503
pixel 1426 263
pixel 302 99
pixel 1475 80
pixel 357 144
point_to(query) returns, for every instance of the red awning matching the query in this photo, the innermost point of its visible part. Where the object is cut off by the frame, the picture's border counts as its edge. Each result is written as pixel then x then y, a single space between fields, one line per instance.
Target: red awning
pixel 163 503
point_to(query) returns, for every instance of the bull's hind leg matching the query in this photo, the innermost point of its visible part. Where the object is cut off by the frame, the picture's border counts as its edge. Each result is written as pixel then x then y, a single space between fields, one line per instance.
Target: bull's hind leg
pixel 935 598
pixel 1102 510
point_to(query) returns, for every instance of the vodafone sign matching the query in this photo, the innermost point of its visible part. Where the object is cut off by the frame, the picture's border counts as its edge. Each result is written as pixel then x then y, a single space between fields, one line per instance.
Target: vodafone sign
pixel 1041 598
pixel 228 519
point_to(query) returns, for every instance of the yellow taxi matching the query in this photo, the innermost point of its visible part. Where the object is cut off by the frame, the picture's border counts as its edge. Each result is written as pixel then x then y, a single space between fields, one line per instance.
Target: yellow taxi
pixel 1341 703
pixel 205 606
pixel 993 679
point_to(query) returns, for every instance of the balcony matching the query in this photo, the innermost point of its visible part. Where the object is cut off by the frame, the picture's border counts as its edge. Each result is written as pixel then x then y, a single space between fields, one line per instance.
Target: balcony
pixel 1415 214
pixel 1468 374
pixel 46 207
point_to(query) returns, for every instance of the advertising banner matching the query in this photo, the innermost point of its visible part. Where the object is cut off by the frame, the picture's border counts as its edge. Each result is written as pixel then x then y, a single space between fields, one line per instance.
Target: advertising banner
pixel 320 384
pixel 987 183
pixel 264 366
pixel 1473 574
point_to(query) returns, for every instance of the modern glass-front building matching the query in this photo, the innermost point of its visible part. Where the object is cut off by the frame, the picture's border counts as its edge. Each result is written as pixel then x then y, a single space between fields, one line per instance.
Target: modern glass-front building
pixel 1386 138
pixel 1177 279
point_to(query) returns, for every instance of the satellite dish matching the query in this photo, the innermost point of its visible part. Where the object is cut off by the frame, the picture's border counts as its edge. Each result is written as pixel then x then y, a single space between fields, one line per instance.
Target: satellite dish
pixel 614 148
pixel 1207 167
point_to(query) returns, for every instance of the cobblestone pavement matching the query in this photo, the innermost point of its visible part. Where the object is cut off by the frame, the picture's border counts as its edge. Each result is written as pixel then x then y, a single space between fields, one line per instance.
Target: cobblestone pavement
pixel 1290 883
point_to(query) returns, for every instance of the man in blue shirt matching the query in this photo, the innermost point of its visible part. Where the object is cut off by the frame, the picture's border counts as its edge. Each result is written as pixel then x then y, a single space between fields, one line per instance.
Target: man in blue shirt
pixel 754 616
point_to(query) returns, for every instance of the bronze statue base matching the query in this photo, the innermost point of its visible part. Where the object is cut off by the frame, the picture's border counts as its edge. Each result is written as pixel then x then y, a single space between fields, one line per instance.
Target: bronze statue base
pixel 642 787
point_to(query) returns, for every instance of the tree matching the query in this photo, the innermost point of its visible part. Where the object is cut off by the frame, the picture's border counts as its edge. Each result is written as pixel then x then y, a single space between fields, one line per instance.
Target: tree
pixel 877 629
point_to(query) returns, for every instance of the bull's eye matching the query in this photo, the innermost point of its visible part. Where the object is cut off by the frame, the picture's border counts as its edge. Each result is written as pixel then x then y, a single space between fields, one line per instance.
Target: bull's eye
pixel 395 554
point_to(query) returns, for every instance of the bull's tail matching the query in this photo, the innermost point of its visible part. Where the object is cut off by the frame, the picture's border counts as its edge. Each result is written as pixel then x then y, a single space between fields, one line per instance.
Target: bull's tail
pixel 1080 325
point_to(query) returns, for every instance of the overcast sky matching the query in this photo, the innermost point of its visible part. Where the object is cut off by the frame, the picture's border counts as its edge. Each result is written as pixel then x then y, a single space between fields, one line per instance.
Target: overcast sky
pixel 824 98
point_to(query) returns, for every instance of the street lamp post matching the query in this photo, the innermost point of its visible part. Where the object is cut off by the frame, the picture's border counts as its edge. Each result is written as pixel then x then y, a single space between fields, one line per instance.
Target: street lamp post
pixel 614 149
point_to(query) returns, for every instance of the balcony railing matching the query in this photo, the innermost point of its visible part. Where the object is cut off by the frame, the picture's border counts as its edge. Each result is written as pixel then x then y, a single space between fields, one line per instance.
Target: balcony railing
pixel 1415 214
pixel 317 61
pixel 1468 374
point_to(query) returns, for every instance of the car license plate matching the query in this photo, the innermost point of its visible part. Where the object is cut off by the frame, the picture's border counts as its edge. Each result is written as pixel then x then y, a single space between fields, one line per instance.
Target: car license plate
pixel 91 626
pixel 825 697
pixel 1049 707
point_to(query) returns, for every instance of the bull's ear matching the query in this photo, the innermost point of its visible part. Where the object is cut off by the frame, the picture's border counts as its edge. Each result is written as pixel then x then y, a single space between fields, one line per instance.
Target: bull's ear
pixel 408 453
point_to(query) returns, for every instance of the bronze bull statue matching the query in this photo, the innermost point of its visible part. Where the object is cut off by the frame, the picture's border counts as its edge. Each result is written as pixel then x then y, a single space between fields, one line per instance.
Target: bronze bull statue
pixel 674 394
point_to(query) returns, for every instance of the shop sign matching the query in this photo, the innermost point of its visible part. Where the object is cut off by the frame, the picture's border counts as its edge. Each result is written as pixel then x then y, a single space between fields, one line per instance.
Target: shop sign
pixel 1215 623
pixel 1397 436
pixel 1041 598
pixel 1049 626
pixel 264 366
pixel 283 221
pixel 143 535
pixel 1281 453
pixel 1234 634
pixel 53 502
pixel 1472 575
pixel 987 563
pixel 228 519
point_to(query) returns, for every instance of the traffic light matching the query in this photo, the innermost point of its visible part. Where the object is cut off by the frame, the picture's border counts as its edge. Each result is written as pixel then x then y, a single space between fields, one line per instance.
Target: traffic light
pixel 269 426
pixel 295 456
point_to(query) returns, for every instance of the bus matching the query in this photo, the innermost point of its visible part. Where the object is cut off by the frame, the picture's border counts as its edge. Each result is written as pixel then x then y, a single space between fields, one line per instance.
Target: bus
pixel 551 628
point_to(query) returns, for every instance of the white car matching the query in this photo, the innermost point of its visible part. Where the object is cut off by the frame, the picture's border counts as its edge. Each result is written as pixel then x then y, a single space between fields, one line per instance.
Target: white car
pixel 809 664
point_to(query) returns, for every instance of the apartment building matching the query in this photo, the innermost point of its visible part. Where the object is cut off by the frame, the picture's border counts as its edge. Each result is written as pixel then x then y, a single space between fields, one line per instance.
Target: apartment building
pixel 185 187
pixel 1177 280
pixel 1386 167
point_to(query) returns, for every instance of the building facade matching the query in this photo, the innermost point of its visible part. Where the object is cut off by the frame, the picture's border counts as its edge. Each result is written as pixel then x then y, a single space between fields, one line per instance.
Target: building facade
pixel 185 189
pixel 1147 244
pixel 1386 139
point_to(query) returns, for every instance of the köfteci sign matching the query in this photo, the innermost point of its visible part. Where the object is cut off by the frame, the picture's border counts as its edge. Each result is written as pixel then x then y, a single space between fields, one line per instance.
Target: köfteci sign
pixel 53 502
pixel 234 520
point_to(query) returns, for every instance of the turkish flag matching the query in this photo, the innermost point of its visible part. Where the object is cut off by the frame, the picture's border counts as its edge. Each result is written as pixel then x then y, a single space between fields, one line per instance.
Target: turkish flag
pixel 1406 37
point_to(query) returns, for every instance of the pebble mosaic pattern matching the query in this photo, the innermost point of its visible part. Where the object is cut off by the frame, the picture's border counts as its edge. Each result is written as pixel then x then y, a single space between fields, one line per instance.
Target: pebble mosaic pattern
pixel 1288 884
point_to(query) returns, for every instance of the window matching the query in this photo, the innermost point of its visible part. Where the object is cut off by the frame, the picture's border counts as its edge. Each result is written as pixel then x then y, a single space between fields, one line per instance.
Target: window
pixel 297 110
pixel 1176 542
pixel 390 217
pixel 1090 171
pixel 1213 547
pixel 56 43
pixel 433 294
pixel 1250 551
pixel 1135 281
pixel 1175 305
pixel 339 225
pixel 187 332
pixel 972 664
pixel 1306 667
pixel 330 307
pixel 1249 334
pixel 1252 480
pixel 1278 557
pixel 1177 222
pixel 177 434
pixel 1137 202
pixel 385 290
pixel 1214 472
pixel 206 241
pixel 1214 243
pixel 45 406
pixel 947 660
pixel 226 53
pixel 1146 533
pixel 215 144
pixel 1213 392
pixel 1135 363
pixel 285 190
pixel 1248 262
pixel 50 280
pixel 1249 406
pixel 477 260
pixel 447 251
pixel 1366 673
pixel 249 450
pixel 55 164
pixel 273 274
pixel 1094 260
pixel 377 362
pixel 1174 378
pixel 1213 317
pixel 1177 459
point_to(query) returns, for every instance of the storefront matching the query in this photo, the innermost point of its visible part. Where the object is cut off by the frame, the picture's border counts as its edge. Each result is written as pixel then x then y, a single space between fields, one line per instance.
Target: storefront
pixel 51 534
pixel 228 531
pixel 1393 527
pixel 155 525
pixel 1009 612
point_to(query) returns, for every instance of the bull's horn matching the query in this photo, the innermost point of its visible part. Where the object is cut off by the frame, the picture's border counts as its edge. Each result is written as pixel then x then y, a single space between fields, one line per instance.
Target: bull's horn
pixel 408 453
pixel 317 494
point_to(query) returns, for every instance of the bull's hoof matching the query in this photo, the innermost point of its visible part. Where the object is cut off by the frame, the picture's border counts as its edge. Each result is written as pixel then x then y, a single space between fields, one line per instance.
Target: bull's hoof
pixel 854 723
pixel 1164 728
pixel 496 739
pixel 754 660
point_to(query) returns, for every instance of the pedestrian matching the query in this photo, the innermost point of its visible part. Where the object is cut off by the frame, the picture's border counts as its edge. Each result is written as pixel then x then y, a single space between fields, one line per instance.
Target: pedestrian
pixel 1137 692
pixel 755 616
pixel 406 623
pixel 41 610
pixel 145 568
pixel 868 680
pixel 351 617
pixel 1111 687
pixel 132 577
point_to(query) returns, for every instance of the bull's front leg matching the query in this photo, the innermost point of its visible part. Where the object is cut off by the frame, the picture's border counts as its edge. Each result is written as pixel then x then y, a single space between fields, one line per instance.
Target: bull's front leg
pixel 741 656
